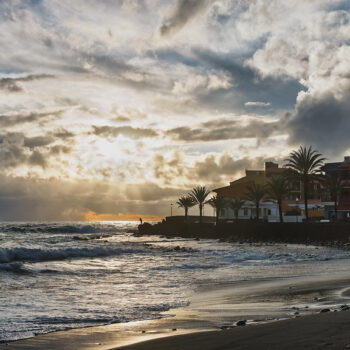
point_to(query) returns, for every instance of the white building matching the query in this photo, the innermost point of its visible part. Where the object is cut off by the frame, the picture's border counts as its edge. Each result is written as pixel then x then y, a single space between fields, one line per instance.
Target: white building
pixel 268 210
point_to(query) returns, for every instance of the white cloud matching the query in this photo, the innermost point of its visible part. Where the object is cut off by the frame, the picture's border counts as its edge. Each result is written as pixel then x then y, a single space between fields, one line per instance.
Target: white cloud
pixel 257 104
pixel 205 82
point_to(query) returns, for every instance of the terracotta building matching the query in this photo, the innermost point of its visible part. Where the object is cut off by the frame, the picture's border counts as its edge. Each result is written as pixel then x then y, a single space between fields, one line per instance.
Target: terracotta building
pixel 269 208
pixel 238 189
pixel 342 171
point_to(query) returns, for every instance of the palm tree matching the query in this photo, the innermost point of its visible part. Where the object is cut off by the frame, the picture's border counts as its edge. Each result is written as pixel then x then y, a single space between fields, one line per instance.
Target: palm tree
pixel 278 189
pixel 256 193
pixel 218 203
pixel 236 204
pixel 304 165
pixel 186 202
pixel 199 195
pixel 334 186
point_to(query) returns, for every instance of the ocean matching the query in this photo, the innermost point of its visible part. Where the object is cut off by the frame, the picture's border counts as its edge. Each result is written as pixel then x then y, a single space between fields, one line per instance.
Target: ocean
pixel 57 276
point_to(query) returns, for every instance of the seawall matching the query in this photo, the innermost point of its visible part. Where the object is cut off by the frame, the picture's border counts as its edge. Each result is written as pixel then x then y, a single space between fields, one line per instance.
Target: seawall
pixel 303 233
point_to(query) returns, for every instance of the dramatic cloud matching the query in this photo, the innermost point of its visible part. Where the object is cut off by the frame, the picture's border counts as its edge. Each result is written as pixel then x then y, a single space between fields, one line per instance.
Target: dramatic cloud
pixel 168 169
pixel 323 121
pixel 12 153
pixel 37 141
pixel 12 84
pixel 184 11
pixel 23 117
pixel 215 169
pixel 226 129
pixel 133 102
pixel 18 150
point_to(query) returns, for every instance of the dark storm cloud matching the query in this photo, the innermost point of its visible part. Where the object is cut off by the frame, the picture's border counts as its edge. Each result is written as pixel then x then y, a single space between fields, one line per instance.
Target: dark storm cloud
pixel 37 158
pixel 37 141
pixel 323 121
pixel 185 10
pixel 127 131
pixel 63 134
pixel 16 150
pixel 11 150
pixel 226 129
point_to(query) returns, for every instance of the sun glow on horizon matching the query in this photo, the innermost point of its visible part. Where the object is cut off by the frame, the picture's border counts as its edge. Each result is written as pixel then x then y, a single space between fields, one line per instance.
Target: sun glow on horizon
pixel 92 216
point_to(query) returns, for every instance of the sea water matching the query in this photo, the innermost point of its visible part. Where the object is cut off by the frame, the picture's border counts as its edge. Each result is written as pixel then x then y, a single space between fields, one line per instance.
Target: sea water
pixel 56 276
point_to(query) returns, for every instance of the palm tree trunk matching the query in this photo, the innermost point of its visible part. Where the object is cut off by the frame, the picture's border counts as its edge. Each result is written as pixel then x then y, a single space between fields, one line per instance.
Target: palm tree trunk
pixel 305 199
pixel 200 212
pixel 217 216
pixel 186 213
pixel 280 210
pixel 257 211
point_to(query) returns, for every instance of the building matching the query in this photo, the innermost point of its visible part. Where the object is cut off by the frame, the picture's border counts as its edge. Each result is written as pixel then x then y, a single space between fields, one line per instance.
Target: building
pixel 342 171
pixel 238 188
pixel 293 207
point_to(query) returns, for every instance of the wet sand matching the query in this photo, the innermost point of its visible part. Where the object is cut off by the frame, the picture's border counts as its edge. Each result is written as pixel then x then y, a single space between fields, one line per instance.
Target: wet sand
pixel 322 331
pixel 211 316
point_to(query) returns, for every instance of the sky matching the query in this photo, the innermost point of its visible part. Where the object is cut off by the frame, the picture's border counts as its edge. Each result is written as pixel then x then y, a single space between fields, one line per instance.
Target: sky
pixel 112 109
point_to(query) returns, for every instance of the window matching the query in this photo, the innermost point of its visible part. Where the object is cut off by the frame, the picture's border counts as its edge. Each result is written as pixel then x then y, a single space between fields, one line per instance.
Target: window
pixel 246 212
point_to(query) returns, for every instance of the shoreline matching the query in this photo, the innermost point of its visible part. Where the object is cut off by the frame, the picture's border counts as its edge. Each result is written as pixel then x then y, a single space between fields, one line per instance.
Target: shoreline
pixel 213 309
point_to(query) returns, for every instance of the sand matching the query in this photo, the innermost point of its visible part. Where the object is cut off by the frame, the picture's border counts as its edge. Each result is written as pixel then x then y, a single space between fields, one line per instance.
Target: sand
pixel 322 331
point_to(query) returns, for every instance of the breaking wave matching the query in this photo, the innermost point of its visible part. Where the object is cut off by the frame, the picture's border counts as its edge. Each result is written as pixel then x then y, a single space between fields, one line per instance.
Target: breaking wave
pixel 61 228
pixel 8 255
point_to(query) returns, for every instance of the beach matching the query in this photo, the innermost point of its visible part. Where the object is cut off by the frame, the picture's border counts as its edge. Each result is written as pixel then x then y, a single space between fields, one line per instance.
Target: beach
pixel 98 286
pixel 284 313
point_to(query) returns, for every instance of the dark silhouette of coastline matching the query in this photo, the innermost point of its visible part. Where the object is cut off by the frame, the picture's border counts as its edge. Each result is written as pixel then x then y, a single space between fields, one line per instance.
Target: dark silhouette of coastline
pixel 335 234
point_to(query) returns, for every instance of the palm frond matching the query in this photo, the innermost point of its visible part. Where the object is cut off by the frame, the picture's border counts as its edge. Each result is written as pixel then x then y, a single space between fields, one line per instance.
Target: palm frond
pixel 278 188
pixel 185 202
pixel 237 203
pixel 255 193
pixel 199 194
pixel 217 202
